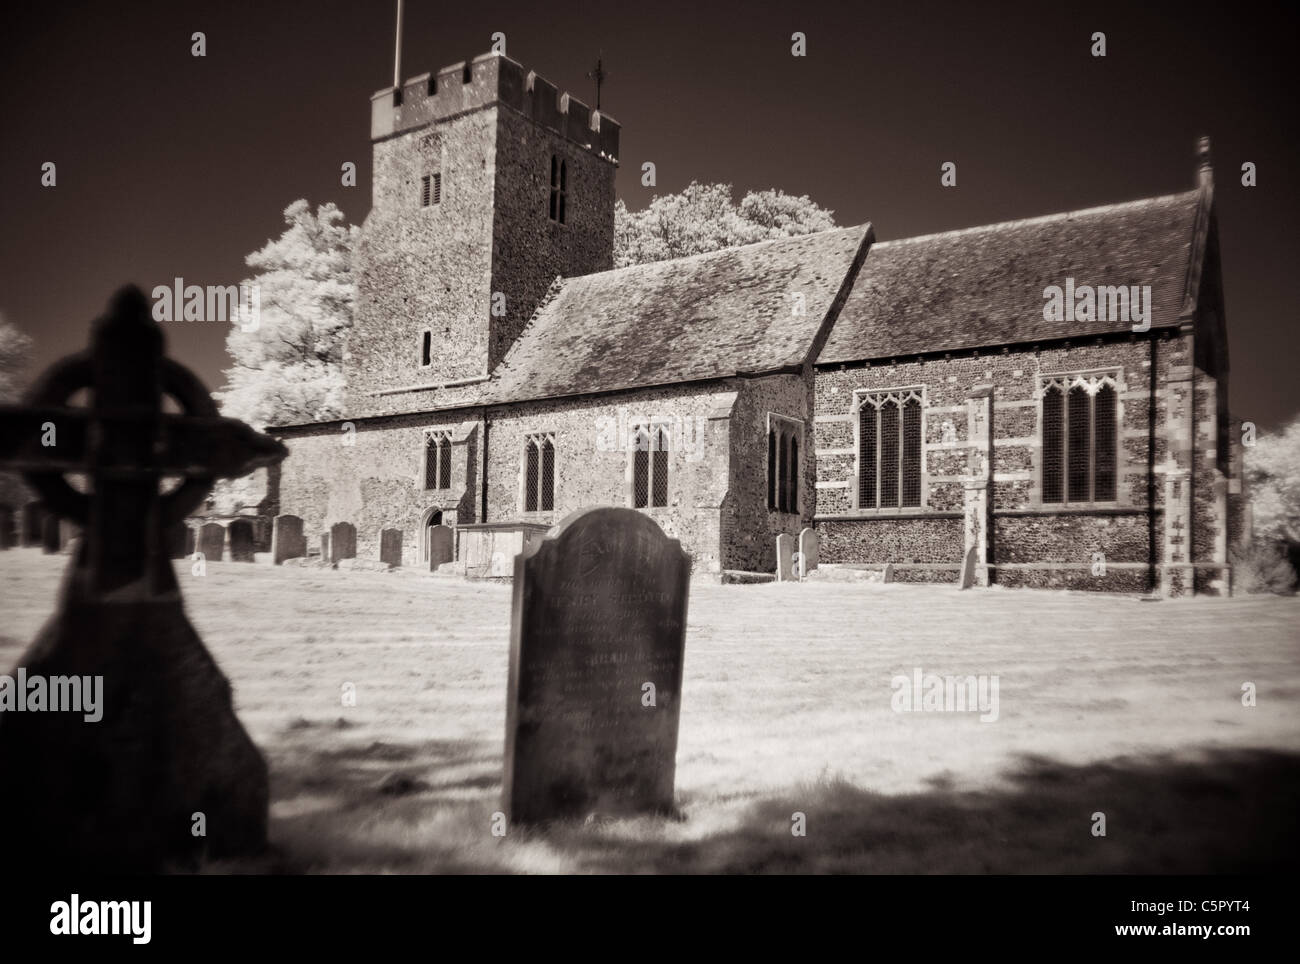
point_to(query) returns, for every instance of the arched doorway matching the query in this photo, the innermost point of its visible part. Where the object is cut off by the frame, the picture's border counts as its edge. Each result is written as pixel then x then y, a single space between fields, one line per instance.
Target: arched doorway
pixel 431 518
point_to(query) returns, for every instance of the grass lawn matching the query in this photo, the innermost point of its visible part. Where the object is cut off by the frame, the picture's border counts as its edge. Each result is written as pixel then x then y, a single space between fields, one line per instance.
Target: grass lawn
pixel 1107 703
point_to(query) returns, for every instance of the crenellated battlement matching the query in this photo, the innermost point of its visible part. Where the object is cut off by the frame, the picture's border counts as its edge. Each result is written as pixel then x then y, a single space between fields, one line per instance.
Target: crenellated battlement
pixel 491 79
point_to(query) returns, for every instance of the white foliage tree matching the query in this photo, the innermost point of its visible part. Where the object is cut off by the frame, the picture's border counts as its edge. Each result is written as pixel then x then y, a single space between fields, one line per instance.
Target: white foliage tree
pixel 1273 473
pixel 290 367
pixel 704 217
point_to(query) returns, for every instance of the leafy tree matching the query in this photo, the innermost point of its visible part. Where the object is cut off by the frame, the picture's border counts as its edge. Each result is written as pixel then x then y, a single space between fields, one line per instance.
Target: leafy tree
pixel 1268 563
pixel 289 367
pixel 704 217
pixel 1273 474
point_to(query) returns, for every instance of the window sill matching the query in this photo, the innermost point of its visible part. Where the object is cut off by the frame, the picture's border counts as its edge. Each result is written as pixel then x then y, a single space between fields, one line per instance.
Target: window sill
pixel 915 512
pixel 1075 508
pixel 894 510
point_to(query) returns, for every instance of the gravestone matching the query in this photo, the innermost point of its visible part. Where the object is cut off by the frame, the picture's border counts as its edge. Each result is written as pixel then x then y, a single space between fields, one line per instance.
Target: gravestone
pixel 596 645
pixel 241 541
pixel 390 546
pixel 287 540
pixel 6 527
pixel 50 536
pixel 888 574
pixel 809 548
pixel 177 547
pixel 112 784
pixel 212 541
pixel 968 569
pixel 32 514
pixel 343 541
pixel 441 548
pixel 784 560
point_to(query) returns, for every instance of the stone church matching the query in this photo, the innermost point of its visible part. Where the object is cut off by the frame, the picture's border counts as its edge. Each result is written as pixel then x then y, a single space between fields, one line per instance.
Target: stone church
pixel 912 401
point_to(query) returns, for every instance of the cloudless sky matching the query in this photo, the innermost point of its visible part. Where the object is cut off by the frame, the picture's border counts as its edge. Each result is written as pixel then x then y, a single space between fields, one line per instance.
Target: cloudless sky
pixel 175 166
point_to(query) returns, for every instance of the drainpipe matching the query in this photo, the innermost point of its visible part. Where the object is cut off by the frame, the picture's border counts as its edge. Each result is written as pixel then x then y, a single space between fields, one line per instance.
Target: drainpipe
pixel 484 511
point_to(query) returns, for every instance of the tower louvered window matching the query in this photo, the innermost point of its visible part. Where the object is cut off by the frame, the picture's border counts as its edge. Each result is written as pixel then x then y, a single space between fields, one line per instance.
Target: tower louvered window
pixel 539 472
pixel 437 461
pixel 559 188
pixel 1079 434
pixel 431 189
pixel 889 449
pixel 783 436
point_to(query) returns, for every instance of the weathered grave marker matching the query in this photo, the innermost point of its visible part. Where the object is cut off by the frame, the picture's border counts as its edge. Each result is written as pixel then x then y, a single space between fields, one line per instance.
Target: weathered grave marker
pixel 212 541
pixel 597 639
pixel 390 546
pixel 784 557
pixel 118 793
pixel 241 540
pixel 287 540
pixel 343 541
pixel 809 549
pixel 440 546
pixel 6 527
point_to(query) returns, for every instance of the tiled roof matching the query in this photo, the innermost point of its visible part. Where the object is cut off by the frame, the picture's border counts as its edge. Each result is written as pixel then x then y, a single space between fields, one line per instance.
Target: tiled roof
pixel 984 286
pixel 701 317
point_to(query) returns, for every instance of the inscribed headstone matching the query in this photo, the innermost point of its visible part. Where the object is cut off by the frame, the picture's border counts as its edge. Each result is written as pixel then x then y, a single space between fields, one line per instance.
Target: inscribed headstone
pixel 597 640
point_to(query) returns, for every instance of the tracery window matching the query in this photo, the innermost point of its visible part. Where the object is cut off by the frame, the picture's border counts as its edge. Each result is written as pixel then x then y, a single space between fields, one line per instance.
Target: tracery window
pixel 539 472
pixel 650 467
pixel 783 437
pixel 889 449
pixel 437 461
pixel 1079 433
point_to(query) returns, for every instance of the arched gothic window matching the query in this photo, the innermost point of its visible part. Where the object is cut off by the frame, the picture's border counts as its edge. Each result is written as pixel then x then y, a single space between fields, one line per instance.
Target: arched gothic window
pixel 783 436
pixel 1079 435
pixel 650 467
pixel 889 449
pixel 539 472
pixel 437 461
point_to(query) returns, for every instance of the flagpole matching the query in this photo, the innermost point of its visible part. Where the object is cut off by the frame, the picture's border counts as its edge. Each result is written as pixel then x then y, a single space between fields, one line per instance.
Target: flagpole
pixel 397 49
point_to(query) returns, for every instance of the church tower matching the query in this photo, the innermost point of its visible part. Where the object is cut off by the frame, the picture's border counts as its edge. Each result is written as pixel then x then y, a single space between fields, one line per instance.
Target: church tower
pixel 488 182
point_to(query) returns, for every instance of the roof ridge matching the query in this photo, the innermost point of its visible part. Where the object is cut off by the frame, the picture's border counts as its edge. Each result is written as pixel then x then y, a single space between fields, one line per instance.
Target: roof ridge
pixel 721 251
pixel 1039 219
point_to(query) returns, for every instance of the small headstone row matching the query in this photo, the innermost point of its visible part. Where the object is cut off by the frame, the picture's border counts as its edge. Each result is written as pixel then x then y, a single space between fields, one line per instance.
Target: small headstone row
pixel 337 544
pixel 33 526
pixel 792 565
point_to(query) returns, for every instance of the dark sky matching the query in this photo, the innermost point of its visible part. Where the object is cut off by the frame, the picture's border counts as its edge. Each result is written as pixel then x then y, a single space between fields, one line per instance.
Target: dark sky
pixel 174 166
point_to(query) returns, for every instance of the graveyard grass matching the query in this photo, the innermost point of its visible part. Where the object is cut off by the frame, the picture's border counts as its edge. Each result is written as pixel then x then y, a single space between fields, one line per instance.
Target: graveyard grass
pixel 1107 704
